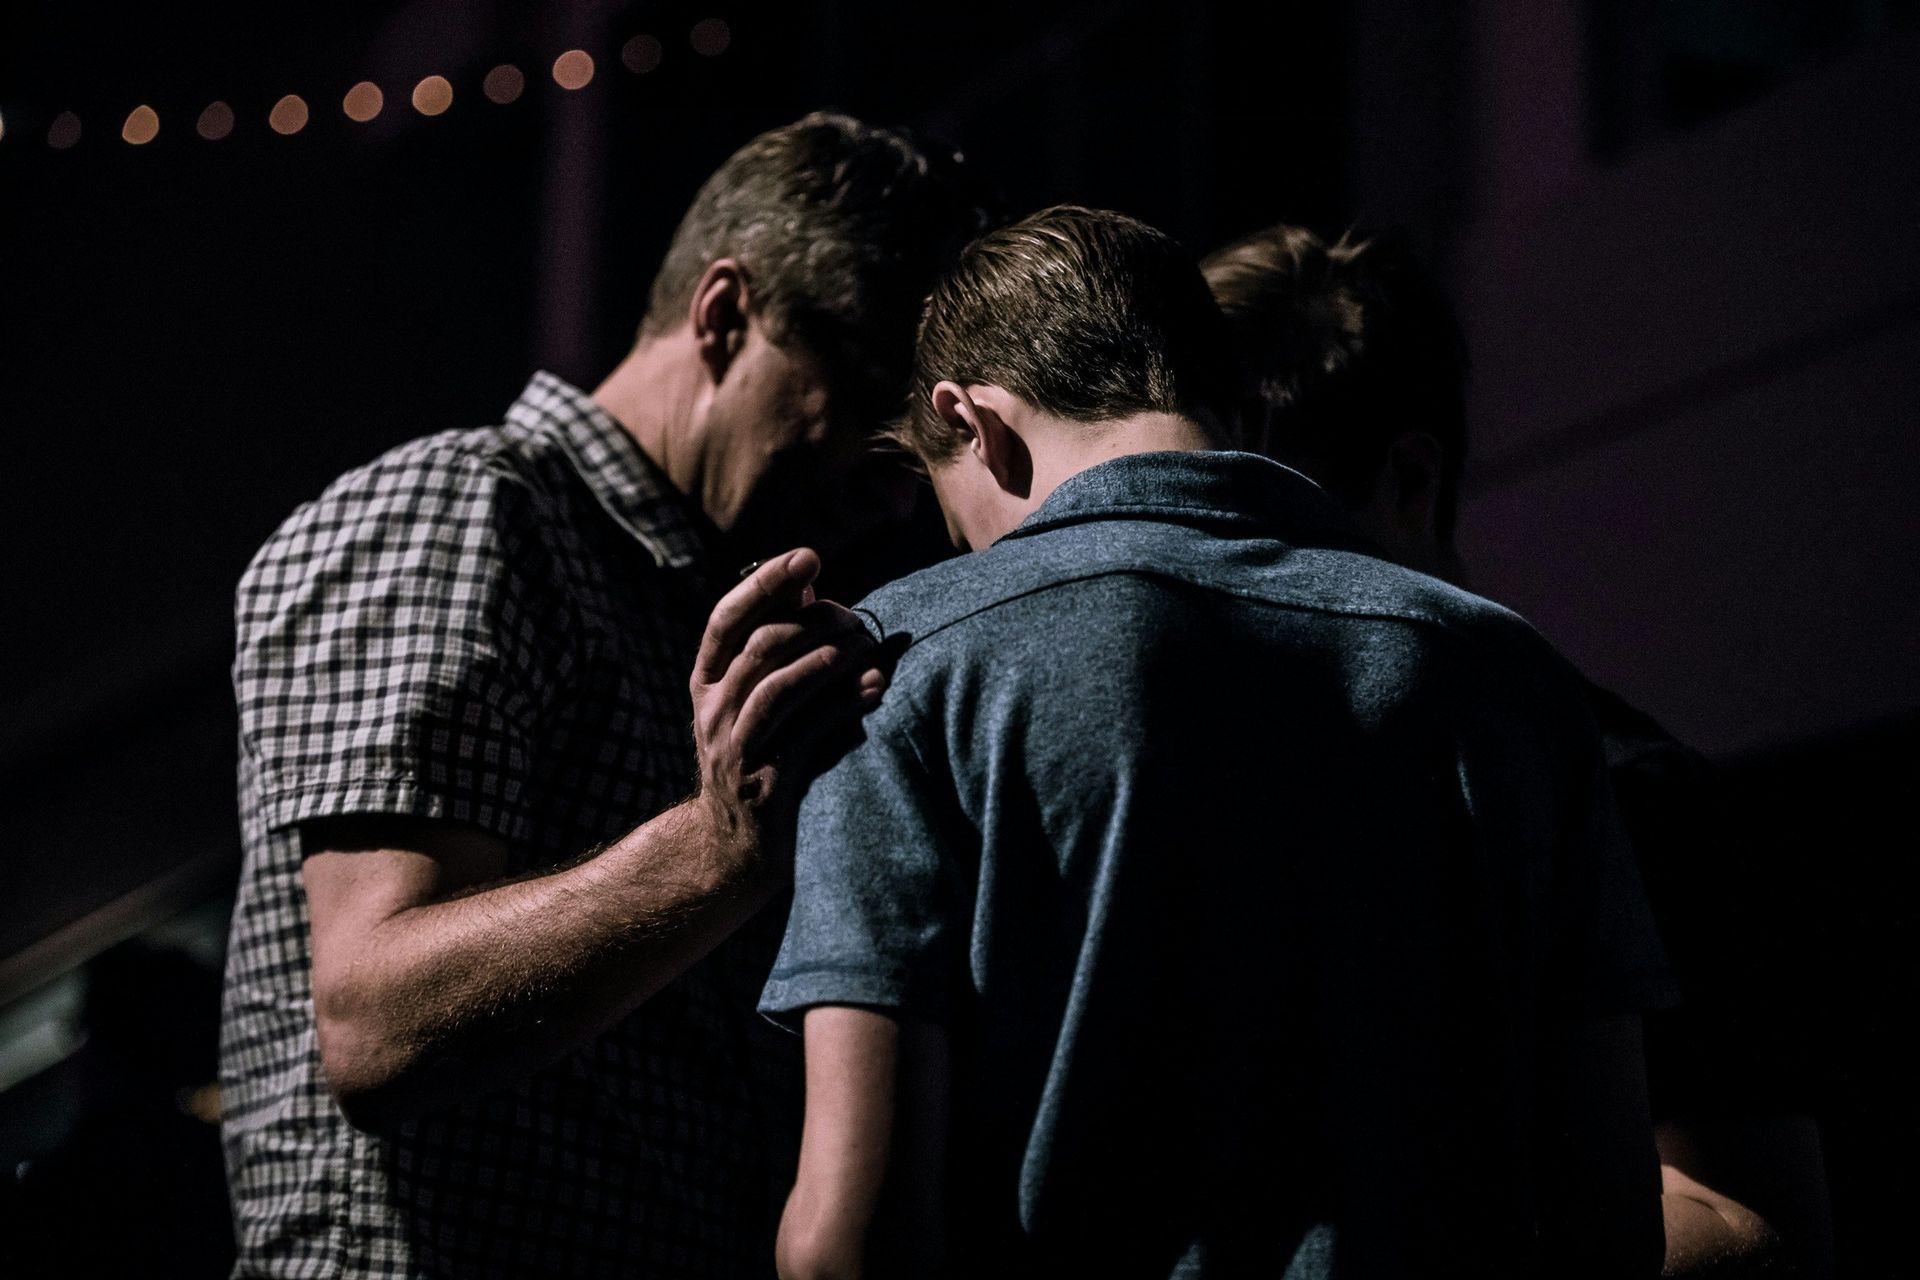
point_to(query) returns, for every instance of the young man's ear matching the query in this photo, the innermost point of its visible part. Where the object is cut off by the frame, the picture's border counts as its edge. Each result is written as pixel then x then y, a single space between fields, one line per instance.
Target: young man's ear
pixel 994 444
pixel 718 315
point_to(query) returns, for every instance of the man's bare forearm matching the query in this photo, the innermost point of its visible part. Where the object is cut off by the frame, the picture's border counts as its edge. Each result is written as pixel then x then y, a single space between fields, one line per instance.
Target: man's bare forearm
pixel 434 980
pixel 428 1003
pixel 1745 1194
pixel 869 1195
pixel 852 1071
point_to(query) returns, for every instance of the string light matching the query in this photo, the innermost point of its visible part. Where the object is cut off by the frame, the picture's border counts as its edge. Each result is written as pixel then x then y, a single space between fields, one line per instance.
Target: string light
pixel 142 126
pixel 363 102
pixel 289 115
pixel 216 122
pixel 573 69
pixel 432 96
pixel 64 132
pixel 641 54
pixel 504 84
pixel 710 37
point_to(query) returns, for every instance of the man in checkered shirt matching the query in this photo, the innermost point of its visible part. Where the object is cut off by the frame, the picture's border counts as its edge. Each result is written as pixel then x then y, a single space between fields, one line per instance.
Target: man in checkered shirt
pixel 489 1001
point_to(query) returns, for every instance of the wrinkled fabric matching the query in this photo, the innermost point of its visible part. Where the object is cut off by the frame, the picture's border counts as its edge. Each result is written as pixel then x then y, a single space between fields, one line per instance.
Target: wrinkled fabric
pixel 1243 869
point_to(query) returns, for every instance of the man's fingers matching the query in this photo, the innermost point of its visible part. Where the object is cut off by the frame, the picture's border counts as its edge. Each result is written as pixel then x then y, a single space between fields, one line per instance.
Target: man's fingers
pixel 783 583
pixel 820 716
pixel 771 647
pixel 774 645
pixel 829 683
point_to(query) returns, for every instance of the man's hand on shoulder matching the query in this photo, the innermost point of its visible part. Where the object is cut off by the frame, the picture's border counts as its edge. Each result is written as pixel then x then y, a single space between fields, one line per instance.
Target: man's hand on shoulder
pixel 436 977
pixel 778 672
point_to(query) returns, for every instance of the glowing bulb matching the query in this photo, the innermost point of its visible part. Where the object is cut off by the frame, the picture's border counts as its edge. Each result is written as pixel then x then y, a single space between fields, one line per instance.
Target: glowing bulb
pixel 142 126
pixel 216 122
pixel 573 69
pixel 710 37
pixel 432 96
pixel 641 54
pixel 64 131
pixel 503 84
pixel 363 102
pixel 289 115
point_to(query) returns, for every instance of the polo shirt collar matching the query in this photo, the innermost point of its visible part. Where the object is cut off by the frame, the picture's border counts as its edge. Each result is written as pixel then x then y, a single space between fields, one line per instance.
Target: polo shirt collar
pixel 623 479
pixel 1244 492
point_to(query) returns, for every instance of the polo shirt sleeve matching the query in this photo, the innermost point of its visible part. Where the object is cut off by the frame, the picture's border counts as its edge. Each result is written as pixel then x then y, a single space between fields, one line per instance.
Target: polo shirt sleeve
pixel 1609 958
pixel 398 646
pixel 877 916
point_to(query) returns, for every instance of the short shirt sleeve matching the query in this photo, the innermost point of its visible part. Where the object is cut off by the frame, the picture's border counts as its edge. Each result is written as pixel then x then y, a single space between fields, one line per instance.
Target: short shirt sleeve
pixel 398 646
pixel 877 915
pixel 1608 955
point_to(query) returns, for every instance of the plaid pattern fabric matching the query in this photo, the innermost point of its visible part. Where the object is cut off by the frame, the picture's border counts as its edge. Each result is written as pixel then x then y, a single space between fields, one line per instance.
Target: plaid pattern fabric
pixel 492 627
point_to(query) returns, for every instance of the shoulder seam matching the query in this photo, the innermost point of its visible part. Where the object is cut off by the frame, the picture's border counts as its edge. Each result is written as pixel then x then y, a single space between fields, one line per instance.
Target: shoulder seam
pixel 1362 615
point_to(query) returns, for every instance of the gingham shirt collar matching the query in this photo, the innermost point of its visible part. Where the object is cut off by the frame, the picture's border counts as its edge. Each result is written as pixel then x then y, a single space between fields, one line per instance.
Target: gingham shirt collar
pixel 624 480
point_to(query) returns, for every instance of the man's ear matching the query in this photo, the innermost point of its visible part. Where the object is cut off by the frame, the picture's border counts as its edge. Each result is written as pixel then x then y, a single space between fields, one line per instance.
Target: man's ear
pixel 1413 478
pixel 718 315
pixel 994 444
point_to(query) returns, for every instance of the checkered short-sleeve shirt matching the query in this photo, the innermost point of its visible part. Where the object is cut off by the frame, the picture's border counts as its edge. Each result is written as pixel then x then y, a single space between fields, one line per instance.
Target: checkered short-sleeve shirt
pixel 495 628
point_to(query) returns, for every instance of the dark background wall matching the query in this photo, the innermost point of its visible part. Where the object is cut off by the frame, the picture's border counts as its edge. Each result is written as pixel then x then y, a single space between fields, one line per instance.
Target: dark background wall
pixel 1680 233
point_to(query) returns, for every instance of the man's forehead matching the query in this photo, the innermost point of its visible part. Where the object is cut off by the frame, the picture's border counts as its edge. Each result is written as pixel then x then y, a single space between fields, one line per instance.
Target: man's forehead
pixel 857 366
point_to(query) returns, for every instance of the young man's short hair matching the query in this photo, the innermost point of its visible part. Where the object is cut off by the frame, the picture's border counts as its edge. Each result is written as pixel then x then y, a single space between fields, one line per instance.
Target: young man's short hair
pixel 840 228
pixel 1349 344
pixel 1082 313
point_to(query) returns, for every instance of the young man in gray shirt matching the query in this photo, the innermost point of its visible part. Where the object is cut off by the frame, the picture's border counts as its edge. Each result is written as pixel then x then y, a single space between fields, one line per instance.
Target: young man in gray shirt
pixel 1205 897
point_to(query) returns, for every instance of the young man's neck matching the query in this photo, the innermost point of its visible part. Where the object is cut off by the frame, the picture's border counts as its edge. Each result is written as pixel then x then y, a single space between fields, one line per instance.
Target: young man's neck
pixel 1076 446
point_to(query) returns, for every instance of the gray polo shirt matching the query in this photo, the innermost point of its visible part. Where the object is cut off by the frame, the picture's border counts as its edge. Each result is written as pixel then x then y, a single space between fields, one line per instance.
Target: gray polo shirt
pixel 1243 869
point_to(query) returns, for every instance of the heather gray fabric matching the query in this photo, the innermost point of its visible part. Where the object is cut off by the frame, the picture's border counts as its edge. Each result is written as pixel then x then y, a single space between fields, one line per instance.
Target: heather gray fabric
pixel 1242 868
